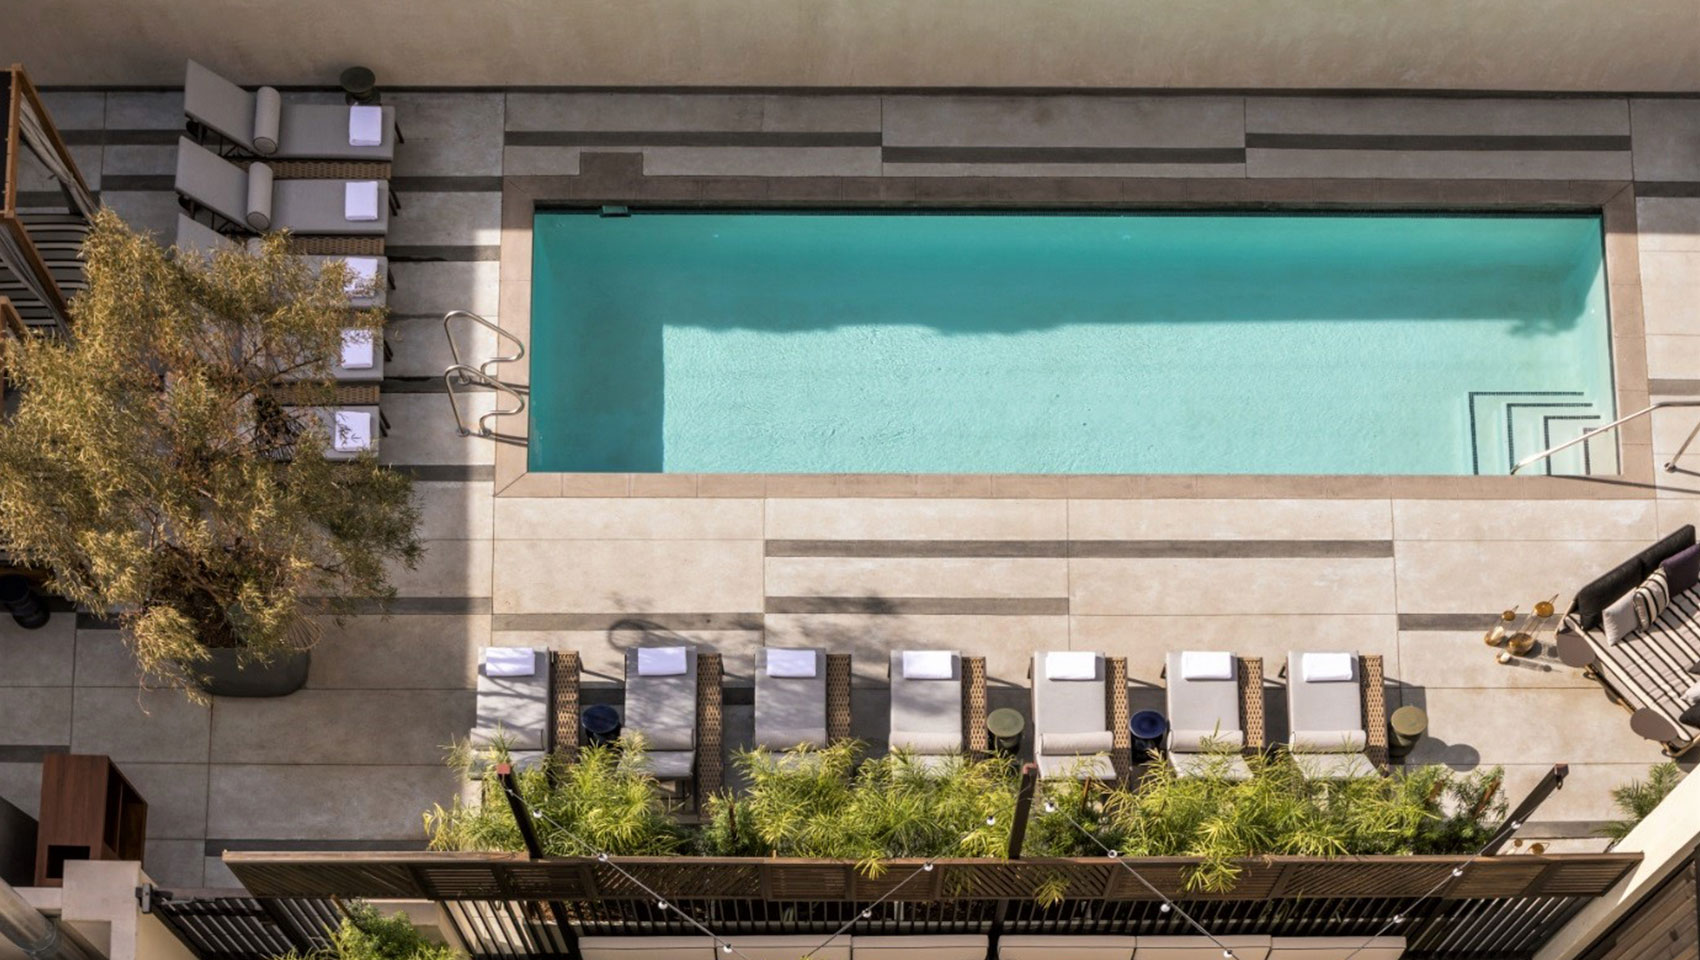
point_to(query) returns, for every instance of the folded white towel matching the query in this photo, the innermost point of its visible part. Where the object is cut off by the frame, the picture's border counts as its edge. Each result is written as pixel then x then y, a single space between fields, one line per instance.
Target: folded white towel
pixel 365 126
pixel 1326 667
pixel 362 274
pixel 510 662
pixel 927 664
pixel 1071 665
pixel 353 431
pixel 358 350
pixel 1206 665
pixel 360 200
pixel 790 664
pixel 661 661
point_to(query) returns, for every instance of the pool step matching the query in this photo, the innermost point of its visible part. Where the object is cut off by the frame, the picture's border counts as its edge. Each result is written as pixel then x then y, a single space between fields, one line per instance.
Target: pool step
pixel 1508 425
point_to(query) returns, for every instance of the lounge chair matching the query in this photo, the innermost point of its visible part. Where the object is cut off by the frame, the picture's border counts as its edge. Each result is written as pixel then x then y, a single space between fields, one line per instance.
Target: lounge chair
pixel 1337 714
pixel 1080 720
pixel 512 702
pixel 673 703
pixel 1215 700
pixel 802 698
pixel 1650 669
pixel 261 124
pixel 251 201
pixel 369 288
pixel 938 704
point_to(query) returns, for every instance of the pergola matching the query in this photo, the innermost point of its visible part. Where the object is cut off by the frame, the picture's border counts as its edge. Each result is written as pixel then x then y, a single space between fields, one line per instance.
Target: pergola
pixel 45 209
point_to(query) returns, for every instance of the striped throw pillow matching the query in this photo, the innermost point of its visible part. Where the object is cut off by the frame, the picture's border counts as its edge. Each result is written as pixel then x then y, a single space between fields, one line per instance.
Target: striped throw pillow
pixel 1651 598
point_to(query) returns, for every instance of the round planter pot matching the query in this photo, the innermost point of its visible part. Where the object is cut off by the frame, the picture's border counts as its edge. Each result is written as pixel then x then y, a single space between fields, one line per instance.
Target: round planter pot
pixel 224 677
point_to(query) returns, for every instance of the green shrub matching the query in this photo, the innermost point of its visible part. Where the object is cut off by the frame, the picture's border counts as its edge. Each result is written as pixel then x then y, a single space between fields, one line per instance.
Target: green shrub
pixel 366 934
pixel 1637 798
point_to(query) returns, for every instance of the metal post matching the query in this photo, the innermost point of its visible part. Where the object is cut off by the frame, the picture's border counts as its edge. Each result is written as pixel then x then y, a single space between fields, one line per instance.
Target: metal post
pixel 534 850
pixel 1023 809
pixel 1554 780
pixel 38 937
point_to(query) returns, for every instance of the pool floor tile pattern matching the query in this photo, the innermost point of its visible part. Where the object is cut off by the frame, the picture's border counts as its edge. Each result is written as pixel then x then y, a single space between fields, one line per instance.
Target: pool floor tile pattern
pixel 986 567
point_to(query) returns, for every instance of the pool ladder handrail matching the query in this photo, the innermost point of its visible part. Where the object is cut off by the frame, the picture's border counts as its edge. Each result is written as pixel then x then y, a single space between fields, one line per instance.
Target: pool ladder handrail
pixel 464 375
pixel 1670 465
pixel 483 368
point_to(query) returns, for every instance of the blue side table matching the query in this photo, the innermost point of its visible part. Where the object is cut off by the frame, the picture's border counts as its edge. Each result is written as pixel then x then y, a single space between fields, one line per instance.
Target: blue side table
pixel 1149 728
pixel 601 724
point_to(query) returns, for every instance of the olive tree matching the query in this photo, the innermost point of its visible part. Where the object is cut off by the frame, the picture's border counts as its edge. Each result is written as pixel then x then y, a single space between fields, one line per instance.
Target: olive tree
pixel 166 463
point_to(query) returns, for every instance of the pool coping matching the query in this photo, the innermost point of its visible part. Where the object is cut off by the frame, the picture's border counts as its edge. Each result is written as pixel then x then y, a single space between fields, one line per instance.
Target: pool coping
pixel 619 179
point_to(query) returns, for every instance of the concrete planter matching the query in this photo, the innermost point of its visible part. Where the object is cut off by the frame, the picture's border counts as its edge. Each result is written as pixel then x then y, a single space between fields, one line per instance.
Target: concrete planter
pixel 223 676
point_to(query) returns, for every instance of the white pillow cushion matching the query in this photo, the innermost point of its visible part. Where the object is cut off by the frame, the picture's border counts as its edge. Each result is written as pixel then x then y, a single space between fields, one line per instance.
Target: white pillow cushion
pixel 927 664
pixel 353 431
pixel 360 200
pixel 1071 665
pixel 510 662
pixel 1619 619
pixel 660 661
pixel 1326 667
pixel 790 664
pixel 1692 694
pixel 1206 665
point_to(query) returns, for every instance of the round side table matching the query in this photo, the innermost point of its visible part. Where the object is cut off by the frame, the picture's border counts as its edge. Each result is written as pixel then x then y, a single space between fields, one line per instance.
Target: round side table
pixel 1149 728
pixel 1408 725
pixel 359 85
pixel 601 724
pixel 1006 726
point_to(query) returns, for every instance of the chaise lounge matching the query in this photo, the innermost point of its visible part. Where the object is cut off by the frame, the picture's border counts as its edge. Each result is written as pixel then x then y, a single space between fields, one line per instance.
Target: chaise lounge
pixel 1080 718
pixel 673 702
pixel 1215 703
pixel 938 704
pixel 252 201
pixel 1336 714
pixel 260 124
pixel 802 698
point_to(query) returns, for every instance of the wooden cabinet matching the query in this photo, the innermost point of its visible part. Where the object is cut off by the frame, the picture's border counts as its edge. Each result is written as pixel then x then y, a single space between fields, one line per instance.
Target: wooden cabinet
pixel 88 812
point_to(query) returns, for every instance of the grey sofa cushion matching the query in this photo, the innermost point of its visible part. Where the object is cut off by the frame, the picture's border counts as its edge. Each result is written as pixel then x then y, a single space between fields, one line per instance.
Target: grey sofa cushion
pixel 514 709
pixel 926 706
pixel 316 207
pixel 1201 704
pixel 1060 744
pixel 663 709
pixel 1323 706
pixel 268 115
pixel 790 710
pixel 259 197
pixel 670 764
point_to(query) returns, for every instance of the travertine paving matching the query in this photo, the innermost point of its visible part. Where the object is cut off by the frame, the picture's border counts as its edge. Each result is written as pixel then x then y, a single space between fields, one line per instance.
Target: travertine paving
pixel 996 566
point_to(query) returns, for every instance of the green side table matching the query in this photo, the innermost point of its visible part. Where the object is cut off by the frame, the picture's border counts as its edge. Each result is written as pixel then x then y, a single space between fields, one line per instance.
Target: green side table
pixel 1006 726
pixel 1408 725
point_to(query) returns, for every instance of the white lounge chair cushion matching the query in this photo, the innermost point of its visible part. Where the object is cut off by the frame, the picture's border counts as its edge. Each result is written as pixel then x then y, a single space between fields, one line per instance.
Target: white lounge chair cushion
pixel 1064 744
pixel 268 116
pixel 1071 665
pixel 931 743
pixel 1205 741
pixel 1227 766
pixel 927 664
pixel 259 199
pixel 1692 694
pixel 1327 741
pixel 362 274
pixel 365 126
pixel 360 200
pixel 1327 667
pixel 660 661
pixel 1065 947
pixel 510 662
pixel 1619 619
pixel 353 431
pixel 358 350
pixel 791 664
pixel 1207 665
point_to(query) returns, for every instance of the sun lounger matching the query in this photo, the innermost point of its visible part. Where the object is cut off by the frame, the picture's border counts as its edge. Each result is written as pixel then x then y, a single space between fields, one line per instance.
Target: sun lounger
pixel 1337 714
pixel 938 704
pixel 1215 703
pixel 673 701
pixel 195 236
pixel 1075 724
pixel 802 698
pixel 250 200
pixel 1650 669
pixel 512 702
pixel 261 124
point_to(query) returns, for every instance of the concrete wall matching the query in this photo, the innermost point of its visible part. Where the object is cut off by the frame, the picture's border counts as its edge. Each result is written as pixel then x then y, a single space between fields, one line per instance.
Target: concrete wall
pixel 1577 45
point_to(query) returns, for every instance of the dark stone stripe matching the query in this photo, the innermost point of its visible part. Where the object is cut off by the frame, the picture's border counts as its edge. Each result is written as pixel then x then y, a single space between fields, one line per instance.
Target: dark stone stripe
pixel 931 606
pixel 29 752
pixel 1685 388
pixel 1448 621
pixel 448 472
pixel 432 253
pixel 1062 155
pixel 137 182
pixel 1667 188
pixel 121 137
pixel 424 385
pixel 216 847
pixel 917 548
pixel 1230 549
pixel 690 138
pixel 88 621
pixel 1423 141
pixel 28 199
pixel 626 621
pixel 447 184
pixel 403 606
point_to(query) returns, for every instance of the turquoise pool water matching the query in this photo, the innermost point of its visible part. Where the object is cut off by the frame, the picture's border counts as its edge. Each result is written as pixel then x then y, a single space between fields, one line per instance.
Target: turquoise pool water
pixel 914 342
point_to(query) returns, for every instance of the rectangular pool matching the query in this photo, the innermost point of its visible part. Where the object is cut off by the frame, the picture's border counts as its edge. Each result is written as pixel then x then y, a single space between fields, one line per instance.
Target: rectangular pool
pixel 985 342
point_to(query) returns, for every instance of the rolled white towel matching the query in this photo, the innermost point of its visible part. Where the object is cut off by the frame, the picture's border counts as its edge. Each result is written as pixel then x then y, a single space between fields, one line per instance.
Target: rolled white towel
pixel 365 126
pixel 360 200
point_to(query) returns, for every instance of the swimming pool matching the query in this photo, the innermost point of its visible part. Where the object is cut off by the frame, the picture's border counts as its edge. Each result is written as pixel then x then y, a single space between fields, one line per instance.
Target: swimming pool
pixel 987 342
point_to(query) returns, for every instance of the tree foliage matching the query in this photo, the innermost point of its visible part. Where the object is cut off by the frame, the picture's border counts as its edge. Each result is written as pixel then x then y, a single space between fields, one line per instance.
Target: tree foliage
pixel 365 934
pixel 153 467
pixel 1637 798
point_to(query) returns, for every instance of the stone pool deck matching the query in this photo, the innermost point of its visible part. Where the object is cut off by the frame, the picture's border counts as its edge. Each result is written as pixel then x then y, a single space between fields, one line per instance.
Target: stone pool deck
pixel 999 566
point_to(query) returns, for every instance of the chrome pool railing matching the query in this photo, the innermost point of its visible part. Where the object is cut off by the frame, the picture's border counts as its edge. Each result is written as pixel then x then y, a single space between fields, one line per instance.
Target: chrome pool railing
pixel 484 368
pixel 461 375
pixel 1670 465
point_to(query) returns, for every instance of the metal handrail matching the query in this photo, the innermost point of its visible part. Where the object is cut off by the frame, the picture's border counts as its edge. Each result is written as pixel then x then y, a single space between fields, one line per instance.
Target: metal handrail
pixel 1670 465
pixel 463 374
pixel 454 351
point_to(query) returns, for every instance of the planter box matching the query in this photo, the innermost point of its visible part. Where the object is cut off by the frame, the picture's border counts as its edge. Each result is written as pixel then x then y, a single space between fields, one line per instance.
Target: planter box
pixel 225 676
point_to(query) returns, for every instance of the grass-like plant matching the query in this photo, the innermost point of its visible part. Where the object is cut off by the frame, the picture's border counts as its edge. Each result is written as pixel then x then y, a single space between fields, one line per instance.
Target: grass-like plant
pixel 365 934
pixel 819 803
pixel 1637 798
pixel 602 803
